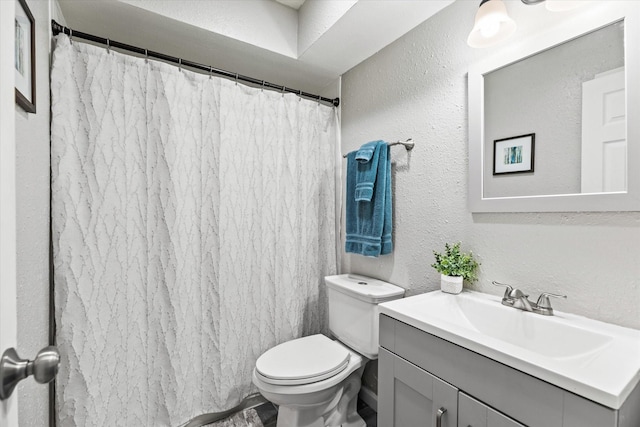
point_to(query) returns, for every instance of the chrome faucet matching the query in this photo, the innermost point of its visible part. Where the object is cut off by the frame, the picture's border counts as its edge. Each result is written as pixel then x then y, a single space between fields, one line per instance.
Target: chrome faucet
pixel 517 299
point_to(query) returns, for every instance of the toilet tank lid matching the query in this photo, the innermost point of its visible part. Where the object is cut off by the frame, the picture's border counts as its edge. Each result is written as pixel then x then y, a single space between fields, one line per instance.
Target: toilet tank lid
pixel 364 288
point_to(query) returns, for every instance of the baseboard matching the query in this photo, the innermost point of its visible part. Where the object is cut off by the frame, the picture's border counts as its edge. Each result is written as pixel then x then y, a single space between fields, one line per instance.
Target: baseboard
pixel 369 397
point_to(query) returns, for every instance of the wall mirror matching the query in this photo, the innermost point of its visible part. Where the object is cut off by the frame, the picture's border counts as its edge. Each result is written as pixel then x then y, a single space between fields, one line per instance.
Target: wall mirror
pixel 548 128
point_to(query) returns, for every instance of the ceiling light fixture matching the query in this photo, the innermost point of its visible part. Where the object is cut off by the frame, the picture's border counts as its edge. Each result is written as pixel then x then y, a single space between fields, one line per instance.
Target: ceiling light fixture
pixel 493 24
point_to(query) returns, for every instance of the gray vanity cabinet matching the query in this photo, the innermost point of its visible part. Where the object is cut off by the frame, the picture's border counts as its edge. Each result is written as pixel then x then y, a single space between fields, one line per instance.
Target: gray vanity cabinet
pixel 411 397
pixel 472 413
pixel 419 373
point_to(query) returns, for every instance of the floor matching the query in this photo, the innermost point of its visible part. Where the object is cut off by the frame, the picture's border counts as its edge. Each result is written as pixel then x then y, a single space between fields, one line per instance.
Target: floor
pixel 267 415
pixel 368 414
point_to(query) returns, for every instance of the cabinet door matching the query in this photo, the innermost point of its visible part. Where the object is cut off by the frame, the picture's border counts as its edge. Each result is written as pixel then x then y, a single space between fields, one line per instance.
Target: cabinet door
pixel 472 413
pixel 411 397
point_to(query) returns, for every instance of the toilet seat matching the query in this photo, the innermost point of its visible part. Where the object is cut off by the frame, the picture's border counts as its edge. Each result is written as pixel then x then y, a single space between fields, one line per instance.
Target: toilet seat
pixel 302 361
pixel 356 361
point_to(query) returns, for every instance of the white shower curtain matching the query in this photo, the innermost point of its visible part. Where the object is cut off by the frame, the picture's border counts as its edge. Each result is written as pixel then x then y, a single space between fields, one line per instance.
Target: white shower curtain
pixel 193 223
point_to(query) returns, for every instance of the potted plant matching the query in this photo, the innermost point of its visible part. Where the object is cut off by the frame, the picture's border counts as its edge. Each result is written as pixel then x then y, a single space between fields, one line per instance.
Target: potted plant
pixel 454 267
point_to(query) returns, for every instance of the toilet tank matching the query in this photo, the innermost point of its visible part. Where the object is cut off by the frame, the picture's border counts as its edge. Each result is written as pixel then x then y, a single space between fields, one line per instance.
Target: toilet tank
pixel 353 310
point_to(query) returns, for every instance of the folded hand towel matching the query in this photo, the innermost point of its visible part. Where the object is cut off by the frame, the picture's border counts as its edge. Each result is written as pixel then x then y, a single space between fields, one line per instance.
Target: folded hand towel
pixel 367 168
pixel 365 152
pixel 369 223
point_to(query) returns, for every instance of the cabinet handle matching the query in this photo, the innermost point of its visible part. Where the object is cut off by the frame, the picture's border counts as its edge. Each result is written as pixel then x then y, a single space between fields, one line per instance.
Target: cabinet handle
pixel 439 415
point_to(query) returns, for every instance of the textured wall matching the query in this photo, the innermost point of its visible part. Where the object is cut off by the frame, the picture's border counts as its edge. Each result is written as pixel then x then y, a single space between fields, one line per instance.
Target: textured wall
pixel 417 87
pixel 32 182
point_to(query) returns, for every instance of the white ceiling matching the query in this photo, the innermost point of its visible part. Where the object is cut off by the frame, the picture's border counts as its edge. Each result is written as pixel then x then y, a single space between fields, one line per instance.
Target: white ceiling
pixel 294 4
pixel 306 49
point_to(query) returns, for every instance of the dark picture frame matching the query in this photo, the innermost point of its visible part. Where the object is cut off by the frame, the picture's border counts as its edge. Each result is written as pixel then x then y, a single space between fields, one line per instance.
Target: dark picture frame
pixel 25 57
pixel 515 154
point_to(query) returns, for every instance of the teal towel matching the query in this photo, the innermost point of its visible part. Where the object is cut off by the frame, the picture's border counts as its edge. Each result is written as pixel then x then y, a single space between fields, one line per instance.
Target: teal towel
pixel 365 152
pixel 367 168
pixel 369 223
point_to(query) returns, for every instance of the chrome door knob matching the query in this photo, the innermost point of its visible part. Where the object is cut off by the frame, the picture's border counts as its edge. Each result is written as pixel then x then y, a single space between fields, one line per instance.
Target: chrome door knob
pixel 13 369
pixel 45 365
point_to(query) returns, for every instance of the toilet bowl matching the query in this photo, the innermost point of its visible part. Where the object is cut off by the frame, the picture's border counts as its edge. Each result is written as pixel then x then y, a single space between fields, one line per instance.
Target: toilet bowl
pixel 315 380
pixel 317 399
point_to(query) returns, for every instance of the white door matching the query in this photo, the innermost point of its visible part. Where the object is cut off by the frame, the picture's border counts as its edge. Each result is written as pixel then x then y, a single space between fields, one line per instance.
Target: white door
pixel 604 130
pixel 8 407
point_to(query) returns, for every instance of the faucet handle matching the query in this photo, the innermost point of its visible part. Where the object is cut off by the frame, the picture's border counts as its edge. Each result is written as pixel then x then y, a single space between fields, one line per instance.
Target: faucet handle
pixel 507 291
pixel 543 304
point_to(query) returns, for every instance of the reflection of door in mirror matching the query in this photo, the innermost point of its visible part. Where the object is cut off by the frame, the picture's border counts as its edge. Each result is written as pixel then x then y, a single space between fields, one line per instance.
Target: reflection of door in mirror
pixel 604 142
pixel 542 94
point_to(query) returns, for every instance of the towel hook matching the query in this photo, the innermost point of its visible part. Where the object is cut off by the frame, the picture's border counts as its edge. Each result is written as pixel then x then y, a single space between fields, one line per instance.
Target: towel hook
pixel 408 145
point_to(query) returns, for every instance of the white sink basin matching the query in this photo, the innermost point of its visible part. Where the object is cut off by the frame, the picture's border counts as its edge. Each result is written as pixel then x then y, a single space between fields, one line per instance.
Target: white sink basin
pixel 596 360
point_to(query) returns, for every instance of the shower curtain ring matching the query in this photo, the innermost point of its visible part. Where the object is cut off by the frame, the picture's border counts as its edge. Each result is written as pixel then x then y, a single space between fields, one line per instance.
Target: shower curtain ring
pixel 146 55
pixel 180 64
pixel 300 96
pixel 108 46
pixel 283 91
pixel 236 79
pixel 262 86
pixel 210 71
pixel 70 36
pixel 319 98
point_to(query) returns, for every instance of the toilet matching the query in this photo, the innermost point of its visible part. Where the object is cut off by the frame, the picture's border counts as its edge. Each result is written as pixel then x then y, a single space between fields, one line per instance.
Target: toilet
pixel 315 380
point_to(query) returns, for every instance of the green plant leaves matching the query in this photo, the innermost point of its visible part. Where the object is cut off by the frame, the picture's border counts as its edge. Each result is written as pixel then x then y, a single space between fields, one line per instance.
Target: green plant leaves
pixel 456 263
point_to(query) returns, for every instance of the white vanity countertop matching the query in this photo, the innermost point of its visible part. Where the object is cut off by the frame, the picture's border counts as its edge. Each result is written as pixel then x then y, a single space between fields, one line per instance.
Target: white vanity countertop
pixel 593 359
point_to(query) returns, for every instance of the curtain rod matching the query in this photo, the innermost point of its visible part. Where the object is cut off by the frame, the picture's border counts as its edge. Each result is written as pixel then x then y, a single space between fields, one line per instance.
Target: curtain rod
pixel 57 29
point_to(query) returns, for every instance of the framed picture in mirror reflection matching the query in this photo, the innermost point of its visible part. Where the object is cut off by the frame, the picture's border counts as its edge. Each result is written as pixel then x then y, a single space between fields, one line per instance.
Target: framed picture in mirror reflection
pixel 514 154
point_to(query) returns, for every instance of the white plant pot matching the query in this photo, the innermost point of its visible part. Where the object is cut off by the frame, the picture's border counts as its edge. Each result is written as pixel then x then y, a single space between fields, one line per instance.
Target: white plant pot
pixel 451 284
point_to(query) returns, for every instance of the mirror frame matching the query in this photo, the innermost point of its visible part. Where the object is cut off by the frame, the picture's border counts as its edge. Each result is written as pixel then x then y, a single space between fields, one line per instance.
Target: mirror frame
pixel 589 20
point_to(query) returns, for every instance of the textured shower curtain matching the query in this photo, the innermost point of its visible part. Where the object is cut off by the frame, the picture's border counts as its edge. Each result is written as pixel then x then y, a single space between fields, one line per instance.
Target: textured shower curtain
pixel 193 221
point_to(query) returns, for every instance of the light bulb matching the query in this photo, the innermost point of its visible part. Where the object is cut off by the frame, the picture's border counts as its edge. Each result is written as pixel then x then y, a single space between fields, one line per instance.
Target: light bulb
pixel 490 28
